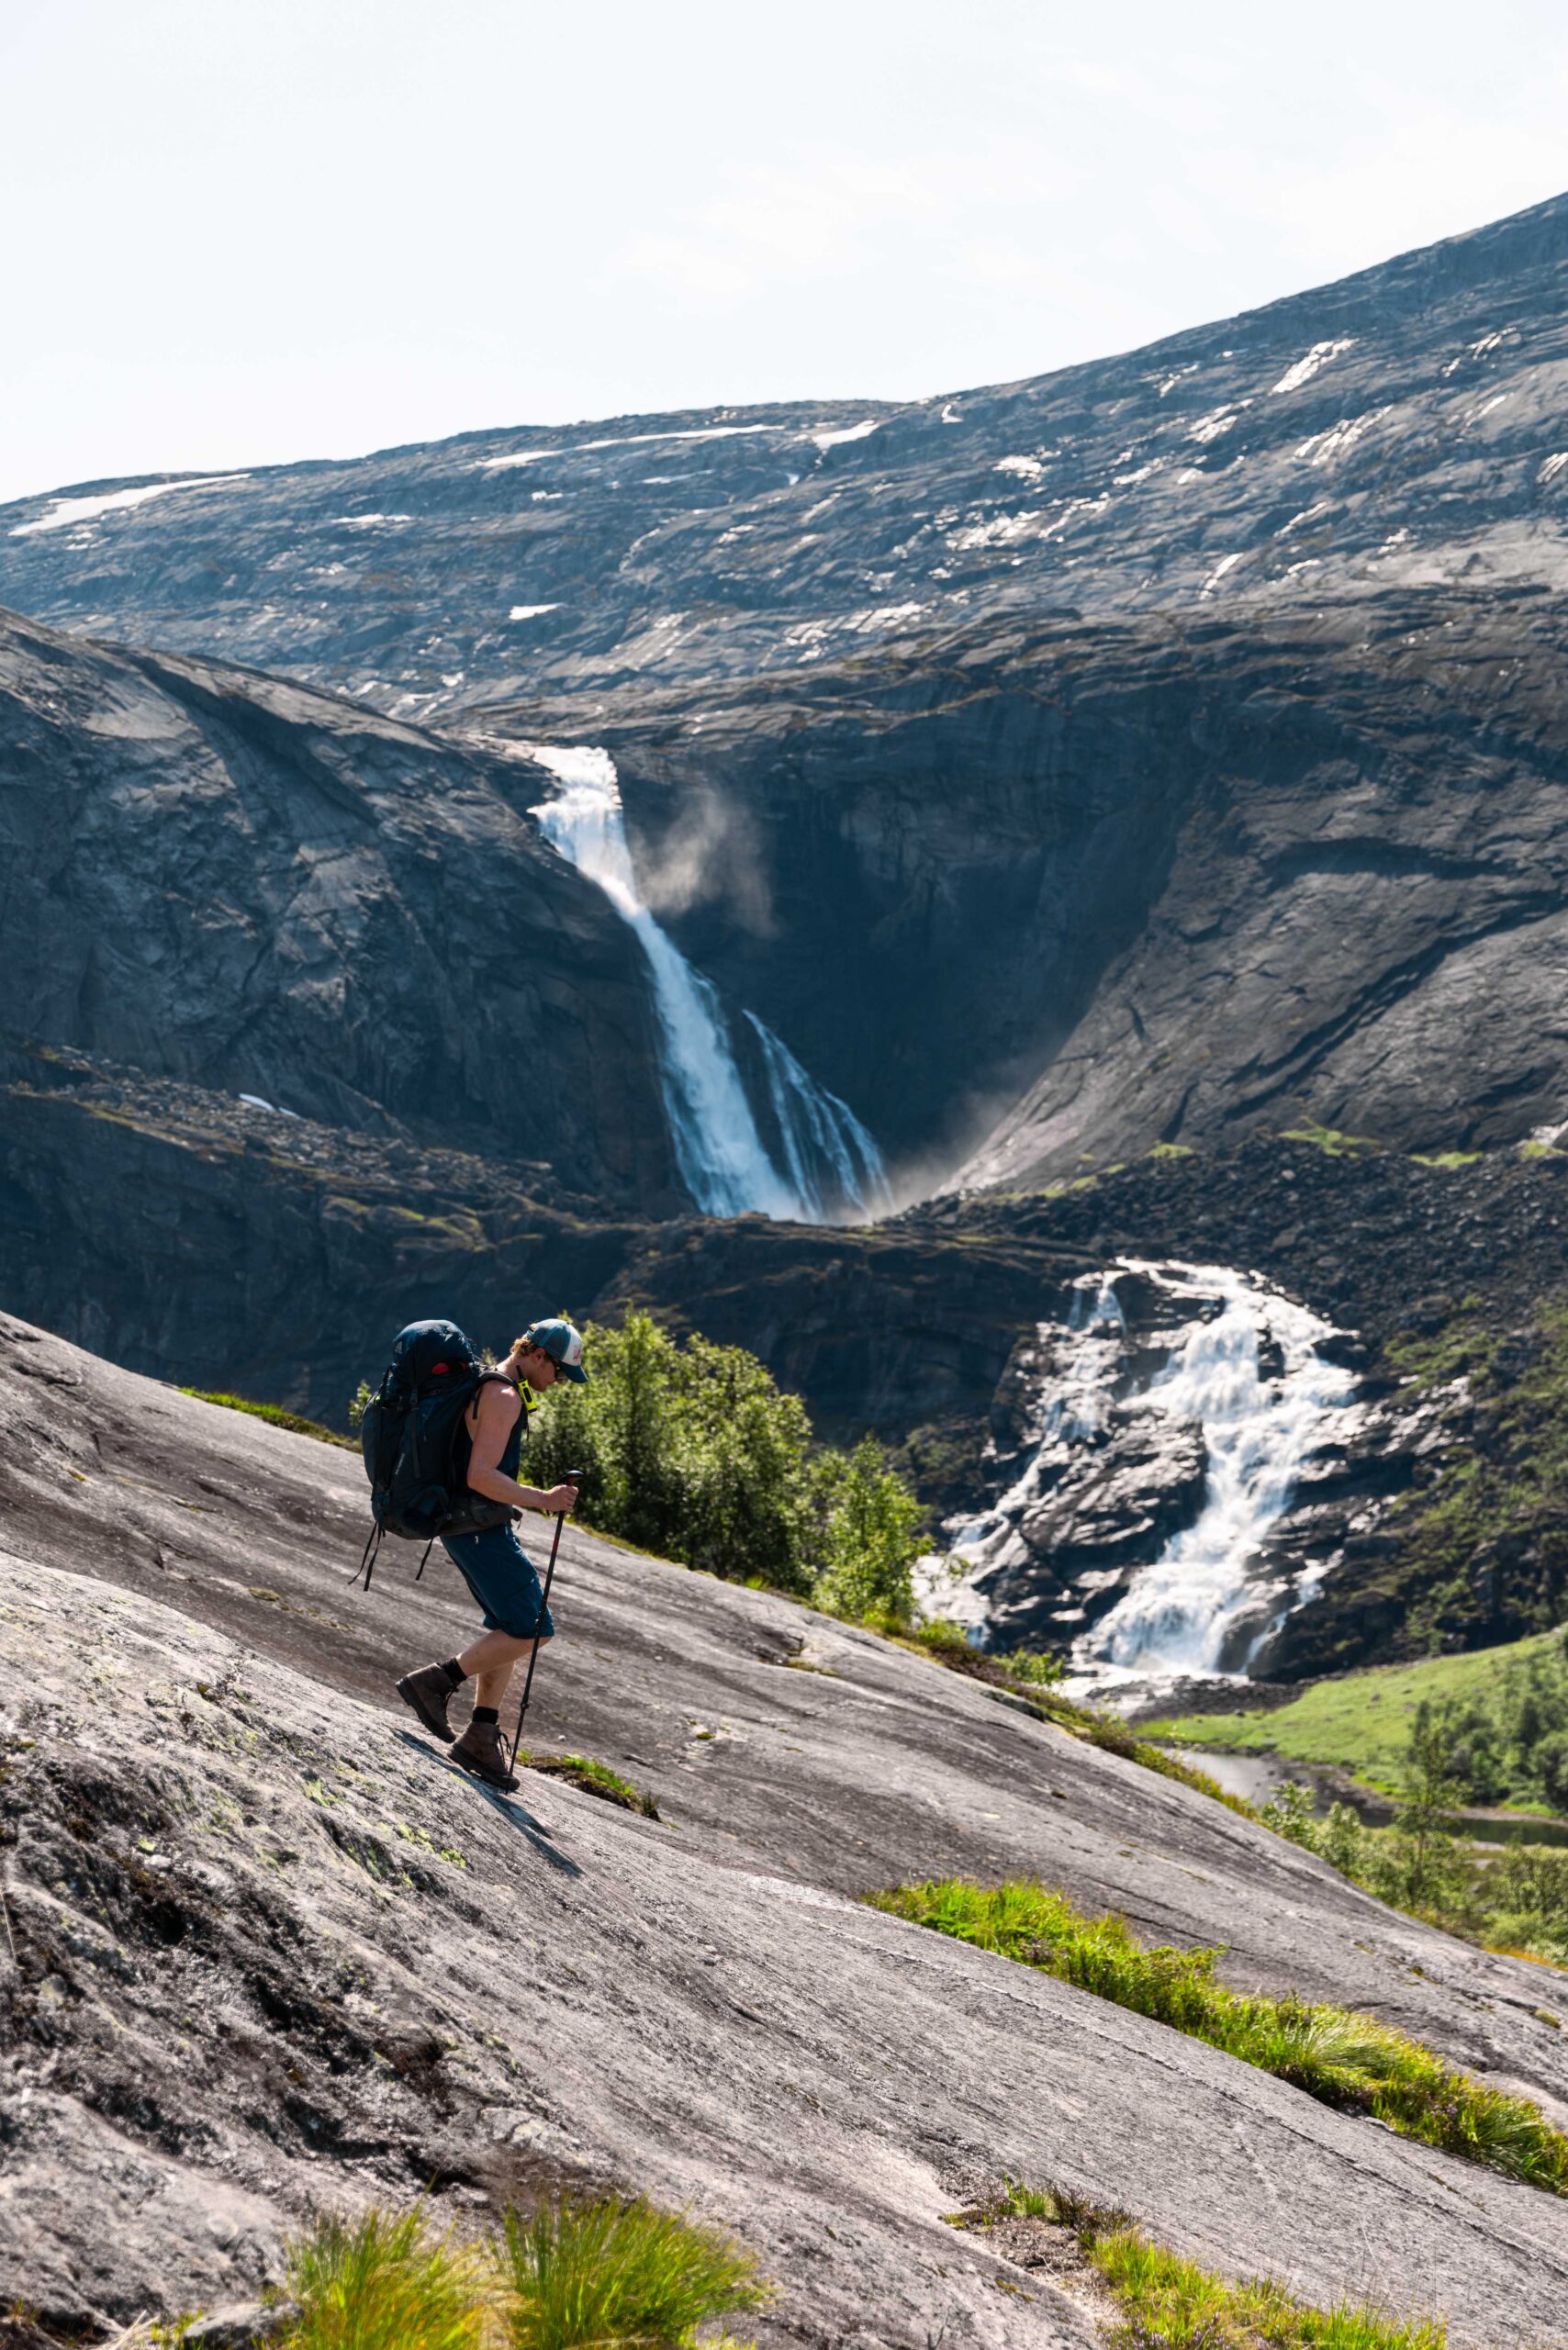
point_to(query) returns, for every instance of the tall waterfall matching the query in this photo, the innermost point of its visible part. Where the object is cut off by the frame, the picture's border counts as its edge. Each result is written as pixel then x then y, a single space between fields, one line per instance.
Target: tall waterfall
pixel 831 1163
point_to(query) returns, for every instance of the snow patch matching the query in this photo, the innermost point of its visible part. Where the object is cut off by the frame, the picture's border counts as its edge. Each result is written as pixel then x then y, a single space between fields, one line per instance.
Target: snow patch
pixel 1323 448
pixel 627 440
pixel 530 611
pixel 63 512
pixel 368 522
pixel 1552 466
pixel 1210 427
pixel 1030 467
pixel 1307 514
pixel 832 436
pixel 1311 364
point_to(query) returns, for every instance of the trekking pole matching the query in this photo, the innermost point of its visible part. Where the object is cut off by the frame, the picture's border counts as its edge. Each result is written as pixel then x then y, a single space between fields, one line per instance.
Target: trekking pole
pixel 572 1477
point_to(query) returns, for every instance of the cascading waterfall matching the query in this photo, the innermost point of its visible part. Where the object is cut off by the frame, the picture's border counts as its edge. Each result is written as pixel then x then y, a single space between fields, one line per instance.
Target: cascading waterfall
pixel 831 1162
pixel 1259 1436
pixel 1259 1428
pixel 817 1130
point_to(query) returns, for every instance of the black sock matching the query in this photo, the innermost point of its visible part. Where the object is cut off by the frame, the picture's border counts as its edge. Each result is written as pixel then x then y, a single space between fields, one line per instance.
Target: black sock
pixel 487 1714
pixel 454 1672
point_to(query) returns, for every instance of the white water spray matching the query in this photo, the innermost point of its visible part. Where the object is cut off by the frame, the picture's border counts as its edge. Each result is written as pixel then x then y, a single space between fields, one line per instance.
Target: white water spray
pixel 1258 1435
pixel 722 1159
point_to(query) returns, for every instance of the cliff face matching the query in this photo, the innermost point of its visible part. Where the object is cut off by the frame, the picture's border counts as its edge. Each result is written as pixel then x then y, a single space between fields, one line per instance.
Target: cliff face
pixel 1140 882
pixel 258 889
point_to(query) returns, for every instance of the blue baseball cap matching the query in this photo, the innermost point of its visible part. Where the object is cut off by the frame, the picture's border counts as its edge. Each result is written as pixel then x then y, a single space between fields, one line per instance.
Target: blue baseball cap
pixel 562 1344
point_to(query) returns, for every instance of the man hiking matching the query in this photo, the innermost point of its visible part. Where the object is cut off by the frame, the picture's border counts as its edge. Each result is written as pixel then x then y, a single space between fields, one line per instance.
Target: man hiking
pixel 492 1561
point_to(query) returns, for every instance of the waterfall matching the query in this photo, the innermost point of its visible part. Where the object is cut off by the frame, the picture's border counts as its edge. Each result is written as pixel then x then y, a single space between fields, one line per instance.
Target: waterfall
pixel 1261 1423
pixel 1259 1434
pixel 831 1162
pixel 819 1133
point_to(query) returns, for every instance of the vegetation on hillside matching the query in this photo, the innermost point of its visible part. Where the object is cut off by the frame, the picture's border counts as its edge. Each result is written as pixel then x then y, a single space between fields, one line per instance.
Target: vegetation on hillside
pixel 1168 2303
pixel 295 1422
pixel 693 1450
pixel 1500 1715
pixel 1345 2060
pixel 1484 1547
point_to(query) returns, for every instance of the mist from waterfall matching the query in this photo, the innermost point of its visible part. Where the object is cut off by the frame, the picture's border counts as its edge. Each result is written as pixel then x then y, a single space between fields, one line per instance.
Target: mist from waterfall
pixel 832 1166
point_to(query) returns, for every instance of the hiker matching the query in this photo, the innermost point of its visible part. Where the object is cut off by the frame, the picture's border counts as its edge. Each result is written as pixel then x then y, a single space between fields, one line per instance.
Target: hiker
pixel 492 1561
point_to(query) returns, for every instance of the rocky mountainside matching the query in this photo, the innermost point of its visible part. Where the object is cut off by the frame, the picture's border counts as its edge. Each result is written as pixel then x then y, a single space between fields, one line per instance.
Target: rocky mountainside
pixel 267 1952
pixel 1397 429
pixel 264 891
pixel 1158 880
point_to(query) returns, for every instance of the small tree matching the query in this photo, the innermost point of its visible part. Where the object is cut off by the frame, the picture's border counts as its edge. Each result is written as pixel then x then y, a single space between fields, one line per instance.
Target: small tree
pixel 1420 1869
pixel 871 1538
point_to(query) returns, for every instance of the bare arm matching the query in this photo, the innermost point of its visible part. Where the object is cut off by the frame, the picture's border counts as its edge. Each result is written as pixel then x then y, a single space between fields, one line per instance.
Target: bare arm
pixel 490 1423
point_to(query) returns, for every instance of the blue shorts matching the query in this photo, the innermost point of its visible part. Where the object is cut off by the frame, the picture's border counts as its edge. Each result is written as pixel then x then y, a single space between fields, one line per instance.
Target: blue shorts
pixel 499 1573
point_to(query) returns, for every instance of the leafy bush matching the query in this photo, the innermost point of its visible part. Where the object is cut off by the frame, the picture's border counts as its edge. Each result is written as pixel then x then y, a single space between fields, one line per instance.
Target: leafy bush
pixel 1343 2059
pixel 1510 1740
pixel 693 1450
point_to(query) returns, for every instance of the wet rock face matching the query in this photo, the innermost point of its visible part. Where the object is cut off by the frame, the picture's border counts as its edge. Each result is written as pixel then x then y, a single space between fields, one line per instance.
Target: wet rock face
pixel 225 880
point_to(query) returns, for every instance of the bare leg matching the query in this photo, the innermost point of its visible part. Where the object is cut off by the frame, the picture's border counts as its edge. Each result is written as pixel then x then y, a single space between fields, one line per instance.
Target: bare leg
pixel 490 1661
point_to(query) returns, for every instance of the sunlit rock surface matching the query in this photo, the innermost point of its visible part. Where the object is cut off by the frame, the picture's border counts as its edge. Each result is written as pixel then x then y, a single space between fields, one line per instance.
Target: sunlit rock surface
pixel 271 1952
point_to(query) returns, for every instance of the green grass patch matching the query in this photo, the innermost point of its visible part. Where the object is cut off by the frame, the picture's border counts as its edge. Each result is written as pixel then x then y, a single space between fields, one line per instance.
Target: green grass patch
pixel 294 1422
pixel 593 1778
pixel 1168 2303
pixel 1343 2059
pixel 1329 1140
pixel 1360 1722
pixel 611 2274
pixel 1446 1158
pixel 385 2283
pixel 606 2274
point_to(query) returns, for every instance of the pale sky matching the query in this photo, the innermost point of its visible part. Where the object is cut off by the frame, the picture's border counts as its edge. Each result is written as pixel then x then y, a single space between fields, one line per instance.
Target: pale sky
pixel 244 231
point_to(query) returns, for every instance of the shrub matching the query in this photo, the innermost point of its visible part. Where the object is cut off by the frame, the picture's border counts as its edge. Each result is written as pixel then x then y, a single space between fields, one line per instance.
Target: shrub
pixel 870 1537
pixel 693 1450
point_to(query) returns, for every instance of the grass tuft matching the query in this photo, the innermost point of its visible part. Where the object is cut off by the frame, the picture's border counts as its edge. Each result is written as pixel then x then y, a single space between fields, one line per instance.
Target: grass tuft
pixel 1169 2304
pixel 380 2283
pixel 273 1412
pixel 617 2273
pixel 609 2273
pixel 593 1778
pixel 1343 2059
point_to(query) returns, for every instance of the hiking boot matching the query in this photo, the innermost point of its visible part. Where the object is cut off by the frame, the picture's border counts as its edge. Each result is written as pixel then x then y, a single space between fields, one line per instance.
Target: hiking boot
pixel 430 1691
pixel 480 1749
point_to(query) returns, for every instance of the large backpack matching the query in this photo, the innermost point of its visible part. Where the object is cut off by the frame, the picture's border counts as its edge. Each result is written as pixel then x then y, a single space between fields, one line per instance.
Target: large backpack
pixel 415 1442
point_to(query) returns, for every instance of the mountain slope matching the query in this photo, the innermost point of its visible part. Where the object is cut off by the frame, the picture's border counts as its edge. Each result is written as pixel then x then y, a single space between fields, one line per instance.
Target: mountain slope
pixel 1400 428
pixel 271 1952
